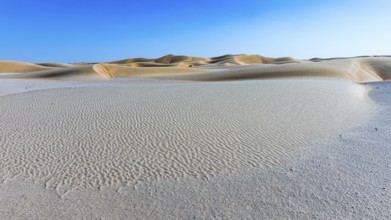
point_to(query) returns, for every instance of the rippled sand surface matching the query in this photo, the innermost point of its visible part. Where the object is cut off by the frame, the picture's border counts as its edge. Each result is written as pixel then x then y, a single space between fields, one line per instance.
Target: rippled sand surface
pixel 115 135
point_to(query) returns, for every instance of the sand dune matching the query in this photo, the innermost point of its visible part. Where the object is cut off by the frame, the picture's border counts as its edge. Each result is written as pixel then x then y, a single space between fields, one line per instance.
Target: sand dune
pixel 113 70
pixel 104 71
pixel 20 67
pixel 381 66
pixel 222 68
pixel 77 73
pixel 257 59
pixel 165 60
pixel 354 70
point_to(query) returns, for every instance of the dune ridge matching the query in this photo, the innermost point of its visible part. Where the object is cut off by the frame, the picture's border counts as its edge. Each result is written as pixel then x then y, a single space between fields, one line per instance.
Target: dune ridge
pixel 9 66
pixel 221 68
pixel 357 71
pixel 115 70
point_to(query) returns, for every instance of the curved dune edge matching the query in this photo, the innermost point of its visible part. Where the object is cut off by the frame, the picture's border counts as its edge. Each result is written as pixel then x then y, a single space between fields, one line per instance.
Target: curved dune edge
pixel 222 68
pixel 115 70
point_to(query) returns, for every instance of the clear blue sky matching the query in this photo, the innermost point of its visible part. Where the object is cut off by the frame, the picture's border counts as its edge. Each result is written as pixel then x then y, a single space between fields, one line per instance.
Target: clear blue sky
pixel 81 30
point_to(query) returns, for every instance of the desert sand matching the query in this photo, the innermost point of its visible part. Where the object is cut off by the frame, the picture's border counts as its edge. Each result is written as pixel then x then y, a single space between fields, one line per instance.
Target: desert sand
pixel 234 136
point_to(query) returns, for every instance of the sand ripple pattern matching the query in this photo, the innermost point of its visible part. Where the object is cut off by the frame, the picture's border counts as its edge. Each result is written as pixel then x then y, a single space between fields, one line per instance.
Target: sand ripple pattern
pixel 116 135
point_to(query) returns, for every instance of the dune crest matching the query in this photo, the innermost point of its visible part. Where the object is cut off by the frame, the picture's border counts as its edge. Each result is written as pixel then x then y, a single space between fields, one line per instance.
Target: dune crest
pixel 20 67
pixel 357 71
pixel 257 59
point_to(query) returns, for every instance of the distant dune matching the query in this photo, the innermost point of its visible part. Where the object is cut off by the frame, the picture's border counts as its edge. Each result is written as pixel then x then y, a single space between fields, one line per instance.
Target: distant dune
pixel 116 70
pixel 227 67
pixel 20 67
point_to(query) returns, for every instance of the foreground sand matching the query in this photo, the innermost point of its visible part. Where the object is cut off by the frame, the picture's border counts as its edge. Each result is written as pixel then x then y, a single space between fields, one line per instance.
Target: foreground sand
pixel 195 142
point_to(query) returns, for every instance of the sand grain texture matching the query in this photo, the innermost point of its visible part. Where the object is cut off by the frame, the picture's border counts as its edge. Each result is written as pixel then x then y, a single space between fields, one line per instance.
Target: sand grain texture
pixel 118 135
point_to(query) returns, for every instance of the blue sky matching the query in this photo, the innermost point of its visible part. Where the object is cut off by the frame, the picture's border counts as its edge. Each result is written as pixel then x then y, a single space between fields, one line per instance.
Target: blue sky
pixel 77 30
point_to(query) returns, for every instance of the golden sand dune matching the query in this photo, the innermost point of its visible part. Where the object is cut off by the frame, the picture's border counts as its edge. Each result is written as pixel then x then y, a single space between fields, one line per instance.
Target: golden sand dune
pixel 20 67
pixel 168 59
pixel 82 73
pixel 257 59
pixel 104 71
pixel 222 68
pixel 354 70
pixel 115 70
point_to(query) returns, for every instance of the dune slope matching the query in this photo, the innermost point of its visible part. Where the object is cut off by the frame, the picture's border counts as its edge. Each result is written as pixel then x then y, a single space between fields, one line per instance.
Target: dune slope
pixel 20 67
